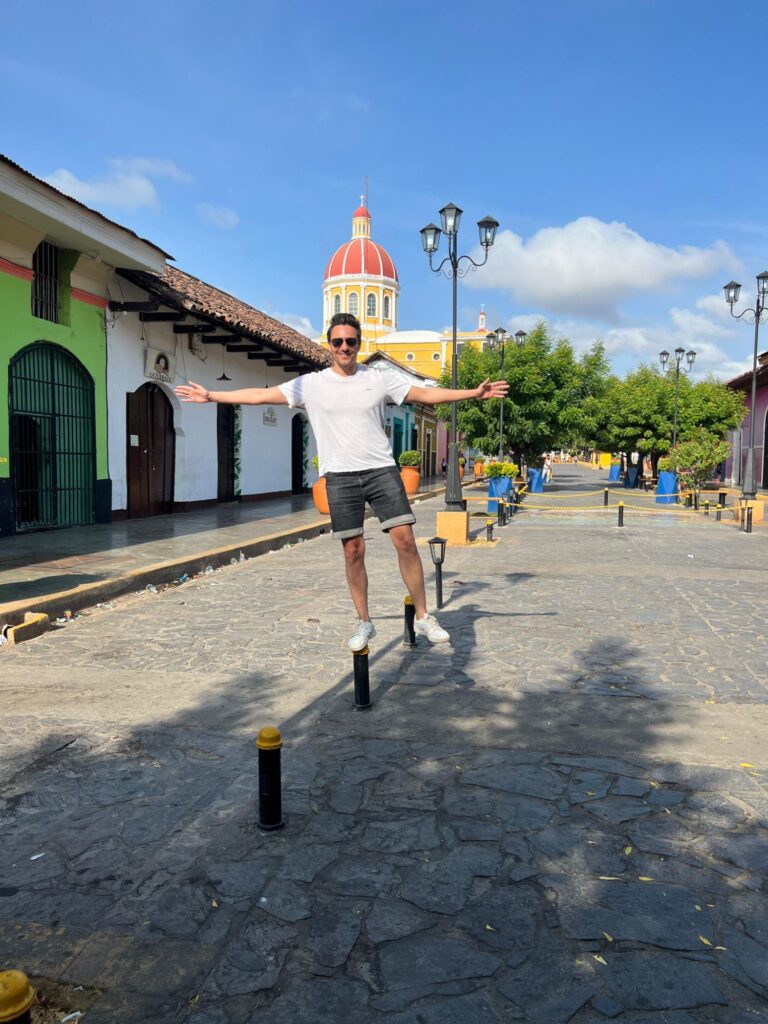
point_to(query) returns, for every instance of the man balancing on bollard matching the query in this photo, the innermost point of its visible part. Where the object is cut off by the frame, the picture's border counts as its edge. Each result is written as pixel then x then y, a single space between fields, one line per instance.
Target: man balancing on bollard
pixel 346 406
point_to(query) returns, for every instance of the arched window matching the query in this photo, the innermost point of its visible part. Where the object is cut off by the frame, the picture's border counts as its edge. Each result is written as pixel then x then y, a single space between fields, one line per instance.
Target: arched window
pixel 353 303
pixel 336 303
pixel 386 307
pixel 410 356
pixel 436 356
pixel 370 305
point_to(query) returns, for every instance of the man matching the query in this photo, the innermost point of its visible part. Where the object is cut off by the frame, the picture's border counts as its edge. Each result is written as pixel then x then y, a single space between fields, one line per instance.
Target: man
pixel 346 406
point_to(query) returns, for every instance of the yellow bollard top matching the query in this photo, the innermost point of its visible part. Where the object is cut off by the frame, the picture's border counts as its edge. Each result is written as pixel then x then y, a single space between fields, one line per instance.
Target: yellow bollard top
pixel 269 738
pixel 364 651
pixel 408 599
pixel 16 994
pixel 489 522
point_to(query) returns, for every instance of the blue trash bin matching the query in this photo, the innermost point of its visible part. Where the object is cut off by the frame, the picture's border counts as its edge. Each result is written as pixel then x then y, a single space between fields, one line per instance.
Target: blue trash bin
pixel 497 488
pixel 666 489
pixel 614 473
pixel 535 481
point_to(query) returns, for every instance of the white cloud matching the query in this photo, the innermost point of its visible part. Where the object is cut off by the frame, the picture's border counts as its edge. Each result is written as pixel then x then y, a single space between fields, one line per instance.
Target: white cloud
pixel 588 267
pixel 129 184
pixel 302 324
pixel 718 348
pixel 219 216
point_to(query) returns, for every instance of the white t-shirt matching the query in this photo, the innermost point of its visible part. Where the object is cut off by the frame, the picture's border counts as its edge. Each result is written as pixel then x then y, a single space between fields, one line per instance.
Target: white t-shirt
pixel 347 415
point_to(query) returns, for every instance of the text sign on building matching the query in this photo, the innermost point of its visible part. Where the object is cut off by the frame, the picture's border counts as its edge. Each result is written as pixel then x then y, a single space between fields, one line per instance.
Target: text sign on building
pixel 269 417
pixel 159 365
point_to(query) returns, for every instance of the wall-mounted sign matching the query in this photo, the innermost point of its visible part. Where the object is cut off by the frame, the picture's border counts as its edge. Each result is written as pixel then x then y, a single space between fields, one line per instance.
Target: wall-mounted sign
pixel 269 418
pixel 159 365
pixel 134 440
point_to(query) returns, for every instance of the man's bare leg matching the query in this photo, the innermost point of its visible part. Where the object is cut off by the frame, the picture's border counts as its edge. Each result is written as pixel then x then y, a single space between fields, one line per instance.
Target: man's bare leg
pixel 357 577
pixel 411 568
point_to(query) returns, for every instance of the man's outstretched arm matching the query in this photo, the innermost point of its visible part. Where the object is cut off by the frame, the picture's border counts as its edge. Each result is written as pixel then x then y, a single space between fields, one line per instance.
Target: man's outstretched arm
pixel 436 396
pixel 246 396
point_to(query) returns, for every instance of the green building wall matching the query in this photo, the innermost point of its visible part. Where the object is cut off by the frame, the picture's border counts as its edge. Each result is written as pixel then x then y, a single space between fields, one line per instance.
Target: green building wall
pixel 85 337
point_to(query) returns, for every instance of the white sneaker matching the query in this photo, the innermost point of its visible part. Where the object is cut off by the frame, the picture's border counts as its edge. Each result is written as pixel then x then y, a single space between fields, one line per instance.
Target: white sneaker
pixel 364 631
pixel 431 629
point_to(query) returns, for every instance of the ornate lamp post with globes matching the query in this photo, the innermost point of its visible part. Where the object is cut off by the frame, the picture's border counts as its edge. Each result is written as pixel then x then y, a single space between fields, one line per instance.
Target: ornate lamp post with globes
pixel 450 217
pixel 664 359
pixel 732 290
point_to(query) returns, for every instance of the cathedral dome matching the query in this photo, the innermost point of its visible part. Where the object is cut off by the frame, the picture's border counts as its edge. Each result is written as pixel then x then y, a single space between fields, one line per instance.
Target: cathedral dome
pixel 361 256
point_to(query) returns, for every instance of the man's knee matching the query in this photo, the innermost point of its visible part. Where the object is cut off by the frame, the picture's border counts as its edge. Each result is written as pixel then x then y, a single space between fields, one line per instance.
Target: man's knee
pixel 354 549
pixel 403 539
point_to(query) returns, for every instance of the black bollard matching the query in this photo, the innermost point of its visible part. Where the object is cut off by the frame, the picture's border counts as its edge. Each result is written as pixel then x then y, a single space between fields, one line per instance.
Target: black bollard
pixel 706 507
pixel 499 512
pixel 362 684
pixel 605 498
pixel 688 500
pixel 621 513
pixel 721 498
pixel 489 529
pixel 749 520
pixel 439 584
pixel 696 501
pixel 269 741
pixel 719 513
pixel 409 634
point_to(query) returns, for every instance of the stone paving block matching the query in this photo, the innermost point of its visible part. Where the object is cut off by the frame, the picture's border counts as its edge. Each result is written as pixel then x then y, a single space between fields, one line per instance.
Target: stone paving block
pixel 745 960
pixel 321 1001
pixel 444 885
pixel 524 780
pixel 660 914
pixel 658 981
pixel 617 809
pixel 305 863
pixel 552 985
pixel 286 900
pixel 334 930
pixel 359 876
pixel 424 961
pixel 395 919
pixel 401 836
pixel 252 962
pixel 240 878
pixel 473 1008
pixel 507 919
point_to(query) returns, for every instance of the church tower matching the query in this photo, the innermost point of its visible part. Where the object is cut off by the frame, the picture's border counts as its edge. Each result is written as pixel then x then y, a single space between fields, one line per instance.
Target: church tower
pixel 361 278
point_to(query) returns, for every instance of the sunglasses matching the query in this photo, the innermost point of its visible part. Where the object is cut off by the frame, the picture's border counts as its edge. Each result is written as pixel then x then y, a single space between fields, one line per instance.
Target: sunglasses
pixel 338 342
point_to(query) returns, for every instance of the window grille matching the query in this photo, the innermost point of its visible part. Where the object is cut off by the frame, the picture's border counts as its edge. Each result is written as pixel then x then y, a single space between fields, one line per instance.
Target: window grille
pixel 45 283
pixel 386 307
pixel 370 305
pixel 337 304
pixel 352 304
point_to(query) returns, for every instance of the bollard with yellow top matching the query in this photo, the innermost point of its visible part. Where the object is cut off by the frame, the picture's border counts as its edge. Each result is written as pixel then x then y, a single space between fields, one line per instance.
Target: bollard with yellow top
pixel 621 513
pixel 269 743
pixel 362 682
pixel 16 997
pixel 489 529
pixel 409 633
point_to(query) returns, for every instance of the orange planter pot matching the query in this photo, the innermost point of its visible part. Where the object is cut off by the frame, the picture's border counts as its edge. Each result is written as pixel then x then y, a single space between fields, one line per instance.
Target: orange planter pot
pixel 461 472
pixel 479 470
pixel 320 497
pixel 410 477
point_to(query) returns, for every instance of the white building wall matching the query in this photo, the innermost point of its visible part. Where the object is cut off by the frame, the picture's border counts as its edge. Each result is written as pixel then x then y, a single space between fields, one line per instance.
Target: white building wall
pixel 265 450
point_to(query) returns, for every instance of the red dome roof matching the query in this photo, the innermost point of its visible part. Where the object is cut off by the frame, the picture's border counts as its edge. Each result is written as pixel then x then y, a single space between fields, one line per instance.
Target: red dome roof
pixel 361 256
pixel 361 211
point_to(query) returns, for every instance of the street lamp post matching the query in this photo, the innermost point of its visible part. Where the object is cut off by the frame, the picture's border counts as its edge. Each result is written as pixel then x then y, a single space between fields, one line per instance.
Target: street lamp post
pixel 497 338
pixel 732 289
pixel 690 356
pixel 520 337
pixel 450 217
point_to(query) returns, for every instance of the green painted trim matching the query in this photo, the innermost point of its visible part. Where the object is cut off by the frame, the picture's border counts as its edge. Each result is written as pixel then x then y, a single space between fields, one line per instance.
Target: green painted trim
pixel 84 337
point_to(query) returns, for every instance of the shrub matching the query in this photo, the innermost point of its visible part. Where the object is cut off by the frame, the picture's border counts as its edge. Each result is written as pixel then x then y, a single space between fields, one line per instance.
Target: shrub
pixel 315 463
pixel 695 458
pixel 665 465
pixel 410 458
pixel 462 461
pixel 495 469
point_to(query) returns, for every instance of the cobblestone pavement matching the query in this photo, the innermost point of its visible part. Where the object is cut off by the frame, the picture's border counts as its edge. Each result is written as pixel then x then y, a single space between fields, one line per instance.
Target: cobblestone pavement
pixel 560 816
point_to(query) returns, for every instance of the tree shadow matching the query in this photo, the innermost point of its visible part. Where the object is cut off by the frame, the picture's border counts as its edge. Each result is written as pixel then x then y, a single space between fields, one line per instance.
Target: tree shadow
pixel 486 841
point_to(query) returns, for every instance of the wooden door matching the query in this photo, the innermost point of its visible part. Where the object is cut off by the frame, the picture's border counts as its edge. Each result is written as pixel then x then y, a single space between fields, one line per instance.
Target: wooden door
pixel 225 440
pixel 298 455
pixel 151 447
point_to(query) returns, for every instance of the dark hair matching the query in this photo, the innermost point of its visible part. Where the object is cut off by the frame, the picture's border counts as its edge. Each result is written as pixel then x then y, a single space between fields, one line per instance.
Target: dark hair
pixel 344 320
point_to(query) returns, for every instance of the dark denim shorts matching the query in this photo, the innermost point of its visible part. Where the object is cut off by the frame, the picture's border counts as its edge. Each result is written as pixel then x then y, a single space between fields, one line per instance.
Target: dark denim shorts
pixel 381 488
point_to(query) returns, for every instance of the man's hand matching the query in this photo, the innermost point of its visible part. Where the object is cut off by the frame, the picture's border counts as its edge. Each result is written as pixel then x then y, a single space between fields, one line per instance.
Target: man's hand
pixel 192 393
pixel 492 389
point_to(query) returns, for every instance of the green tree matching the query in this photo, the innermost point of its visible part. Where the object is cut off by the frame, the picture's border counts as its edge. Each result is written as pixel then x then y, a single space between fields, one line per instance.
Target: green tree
pixel 695 458
pixel 554 398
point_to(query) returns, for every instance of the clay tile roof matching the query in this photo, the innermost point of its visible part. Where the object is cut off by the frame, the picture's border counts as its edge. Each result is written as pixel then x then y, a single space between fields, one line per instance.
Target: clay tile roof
pixel 183 291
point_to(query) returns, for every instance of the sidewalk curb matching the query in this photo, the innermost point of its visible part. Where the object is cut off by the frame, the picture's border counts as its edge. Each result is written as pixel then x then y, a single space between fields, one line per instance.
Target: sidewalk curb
pixel 87 595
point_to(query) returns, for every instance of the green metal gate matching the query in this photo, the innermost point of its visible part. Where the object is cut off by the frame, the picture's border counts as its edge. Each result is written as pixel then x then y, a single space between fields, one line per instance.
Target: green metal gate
pixel 53 443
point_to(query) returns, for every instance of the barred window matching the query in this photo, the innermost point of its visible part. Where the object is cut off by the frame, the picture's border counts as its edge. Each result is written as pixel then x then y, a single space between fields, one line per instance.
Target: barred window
pixel 45 283
pixel 370 305
pixel 337 304
pixel 352 304
pixel 386 307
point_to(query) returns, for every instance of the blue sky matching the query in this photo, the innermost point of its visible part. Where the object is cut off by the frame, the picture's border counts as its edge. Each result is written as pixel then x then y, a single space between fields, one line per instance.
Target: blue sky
pixel 620 143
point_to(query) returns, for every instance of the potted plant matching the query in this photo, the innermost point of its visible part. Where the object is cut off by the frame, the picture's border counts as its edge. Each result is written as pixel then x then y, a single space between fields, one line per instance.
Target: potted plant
pixel 695 458
pixel 479 467
pixel 500 476
pixel 319 495
pixel 410 472
pixel 666 488
pixel 462 464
